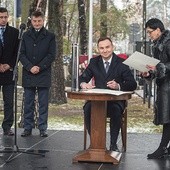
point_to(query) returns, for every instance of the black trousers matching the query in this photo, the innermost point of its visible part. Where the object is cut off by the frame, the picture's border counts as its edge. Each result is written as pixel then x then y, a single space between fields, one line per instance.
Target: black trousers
pixel 8 98
pixel 114 111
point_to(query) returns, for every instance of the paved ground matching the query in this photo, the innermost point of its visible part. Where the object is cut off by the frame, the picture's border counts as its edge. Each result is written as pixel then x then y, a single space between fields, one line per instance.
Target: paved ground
pixel 61 146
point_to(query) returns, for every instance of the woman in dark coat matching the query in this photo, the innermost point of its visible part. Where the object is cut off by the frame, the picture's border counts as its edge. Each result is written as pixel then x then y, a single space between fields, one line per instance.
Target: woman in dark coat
pixel 161 50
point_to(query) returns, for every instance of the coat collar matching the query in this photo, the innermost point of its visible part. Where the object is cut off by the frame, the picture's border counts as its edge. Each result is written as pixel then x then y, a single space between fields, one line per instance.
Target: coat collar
pixel 162 40
pixel 41 35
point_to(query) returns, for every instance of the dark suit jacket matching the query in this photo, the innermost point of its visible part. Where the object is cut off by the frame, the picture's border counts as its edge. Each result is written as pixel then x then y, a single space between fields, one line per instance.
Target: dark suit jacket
pixel 8 53
pixel 117 71
pixel 37 51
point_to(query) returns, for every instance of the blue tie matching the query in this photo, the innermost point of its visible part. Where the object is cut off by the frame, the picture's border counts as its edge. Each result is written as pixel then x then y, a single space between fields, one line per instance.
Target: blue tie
pixel 2 35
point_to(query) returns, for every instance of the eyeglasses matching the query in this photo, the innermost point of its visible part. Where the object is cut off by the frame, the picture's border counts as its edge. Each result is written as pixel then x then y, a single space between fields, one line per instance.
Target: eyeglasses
pixel 5 17
pixel 150 31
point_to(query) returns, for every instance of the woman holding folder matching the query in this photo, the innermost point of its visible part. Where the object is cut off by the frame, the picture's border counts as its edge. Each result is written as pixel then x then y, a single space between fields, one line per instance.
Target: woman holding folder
pixel 161 72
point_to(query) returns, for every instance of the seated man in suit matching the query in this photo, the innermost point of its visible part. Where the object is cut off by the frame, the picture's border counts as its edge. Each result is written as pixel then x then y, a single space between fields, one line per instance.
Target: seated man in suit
pixel 108 72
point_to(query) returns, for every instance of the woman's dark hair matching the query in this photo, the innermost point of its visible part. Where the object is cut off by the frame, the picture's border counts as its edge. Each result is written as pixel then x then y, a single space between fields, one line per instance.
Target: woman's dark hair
pixel 155 23
pixel 104 38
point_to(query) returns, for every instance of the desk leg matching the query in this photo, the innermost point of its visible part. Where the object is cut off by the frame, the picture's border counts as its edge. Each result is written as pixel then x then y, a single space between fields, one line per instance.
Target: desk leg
pixel 98 125
pixel 97 151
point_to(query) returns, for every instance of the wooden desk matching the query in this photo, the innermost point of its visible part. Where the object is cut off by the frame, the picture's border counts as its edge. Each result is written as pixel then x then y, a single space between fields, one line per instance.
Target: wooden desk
pixel 97 151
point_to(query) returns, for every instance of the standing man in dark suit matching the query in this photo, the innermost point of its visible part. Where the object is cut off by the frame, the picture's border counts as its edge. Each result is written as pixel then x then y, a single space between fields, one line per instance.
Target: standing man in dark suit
pixel 38 51
pixel 108 72
pixel 8 54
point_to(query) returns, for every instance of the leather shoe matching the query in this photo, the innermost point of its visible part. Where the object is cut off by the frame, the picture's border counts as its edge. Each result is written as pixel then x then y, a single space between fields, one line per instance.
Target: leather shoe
pixel 159 153
pixel 8 132
pixel 114 148
pixel 168 149
pixel 43 133
pixel 26 133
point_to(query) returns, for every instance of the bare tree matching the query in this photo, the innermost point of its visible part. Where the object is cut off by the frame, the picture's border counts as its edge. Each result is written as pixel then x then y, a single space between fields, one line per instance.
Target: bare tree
pixel 82 27
pixel 55 24
pixel 103 21
pixel 67 24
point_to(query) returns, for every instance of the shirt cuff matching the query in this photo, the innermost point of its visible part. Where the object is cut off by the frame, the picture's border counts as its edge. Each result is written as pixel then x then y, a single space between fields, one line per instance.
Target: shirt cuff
pixel 118 87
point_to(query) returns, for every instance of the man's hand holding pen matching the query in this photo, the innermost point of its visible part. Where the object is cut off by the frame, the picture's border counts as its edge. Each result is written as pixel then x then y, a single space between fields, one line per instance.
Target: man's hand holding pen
pixel 113 85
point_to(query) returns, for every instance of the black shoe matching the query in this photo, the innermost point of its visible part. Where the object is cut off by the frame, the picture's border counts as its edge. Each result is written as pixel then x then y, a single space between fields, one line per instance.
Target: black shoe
pixel 8 132
pixel 43 133
pixel 26 133
pixel 168 149
pixel 159 153
pixel 114 148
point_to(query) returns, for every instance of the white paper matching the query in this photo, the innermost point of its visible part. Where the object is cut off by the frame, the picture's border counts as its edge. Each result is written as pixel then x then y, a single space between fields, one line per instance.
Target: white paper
pixel 106 91
pixel 138 61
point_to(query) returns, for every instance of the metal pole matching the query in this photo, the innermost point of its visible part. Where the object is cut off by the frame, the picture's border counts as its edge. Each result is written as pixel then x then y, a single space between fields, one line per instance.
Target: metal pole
pixel 90 51
pixel 147 86
pixel 144 45
pixel 15 12
pixel 75 67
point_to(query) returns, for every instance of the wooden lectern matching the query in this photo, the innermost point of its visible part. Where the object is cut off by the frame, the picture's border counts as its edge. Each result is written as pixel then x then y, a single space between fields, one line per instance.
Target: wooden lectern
pixel 97 152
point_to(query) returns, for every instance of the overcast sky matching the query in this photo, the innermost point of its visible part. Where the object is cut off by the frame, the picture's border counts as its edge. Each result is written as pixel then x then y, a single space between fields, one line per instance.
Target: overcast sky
pixel 118 4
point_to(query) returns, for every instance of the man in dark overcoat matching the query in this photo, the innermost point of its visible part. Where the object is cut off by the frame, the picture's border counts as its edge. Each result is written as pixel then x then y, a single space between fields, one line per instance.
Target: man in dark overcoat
pixel 8 55
pixel 38 51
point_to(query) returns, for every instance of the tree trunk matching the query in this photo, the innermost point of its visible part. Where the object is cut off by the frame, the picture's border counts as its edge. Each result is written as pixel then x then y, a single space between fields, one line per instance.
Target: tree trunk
pixel 25 11
pixel 82 26
pixel 68 24
pixel 103 22
pixel 55 24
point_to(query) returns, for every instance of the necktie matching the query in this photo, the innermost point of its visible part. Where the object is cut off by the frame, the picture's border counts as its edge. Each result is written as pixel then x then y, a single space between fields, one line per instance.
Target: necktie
pixel 2 36
pixel 106 66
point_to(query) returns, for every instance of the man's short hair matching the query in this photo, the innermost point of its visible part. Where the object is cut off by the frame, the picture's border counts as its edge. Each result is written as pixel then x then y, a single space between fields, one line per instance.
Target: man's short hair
pixel 104 38
pixel 37 14
pixel 2 9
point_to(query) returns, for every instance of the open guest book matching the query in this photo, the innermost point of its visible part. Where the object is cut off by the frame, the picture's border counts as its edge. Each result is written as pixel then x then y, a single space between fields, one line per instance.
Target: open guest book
pixel 107 91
